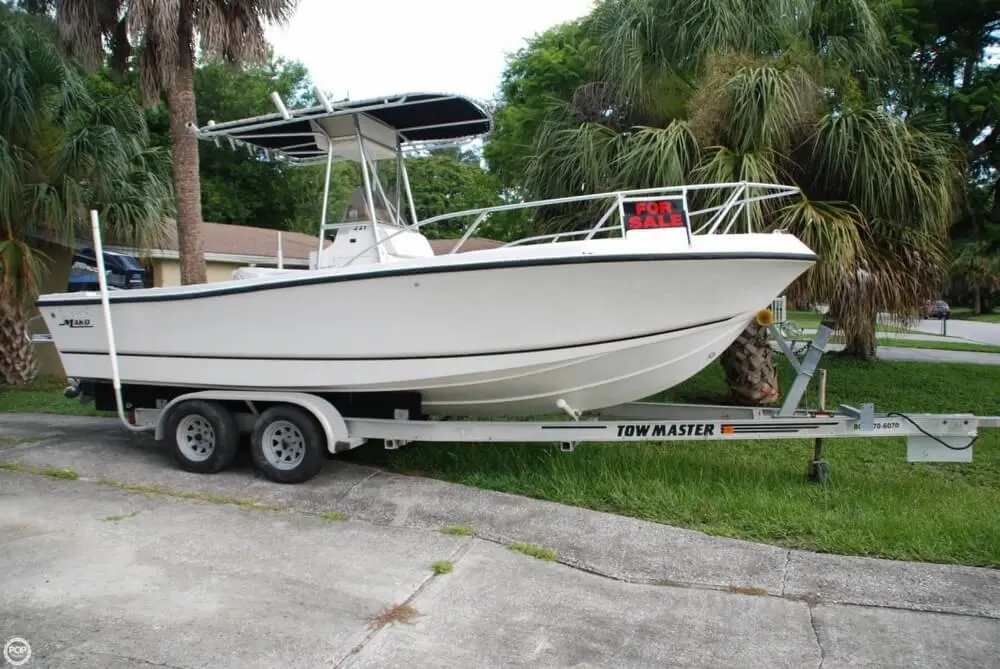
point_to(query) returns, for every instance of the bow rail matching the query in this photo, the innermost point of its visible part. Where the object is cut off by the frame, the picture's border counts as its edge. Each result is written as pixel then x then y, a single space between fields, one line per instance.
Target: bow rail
pixel 715 219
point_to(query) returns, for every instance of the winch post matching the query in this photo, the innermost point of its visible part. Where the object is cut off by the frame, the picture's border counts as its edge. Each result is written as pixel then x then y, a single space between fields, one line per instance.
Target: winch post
pixel 805 368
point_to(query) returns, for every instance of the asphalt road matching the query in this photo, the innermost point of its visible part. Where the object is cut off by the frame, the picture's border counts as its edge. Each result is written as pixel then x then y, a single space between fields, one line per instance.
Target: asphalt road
pixel 986 333
pixel 137 565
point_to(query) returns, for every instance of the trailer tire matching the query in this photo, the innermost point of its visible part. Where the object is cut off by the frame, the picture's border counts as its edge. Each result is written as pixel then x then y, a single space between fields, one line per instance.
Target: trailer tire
pixel 287 444
pixel 204 436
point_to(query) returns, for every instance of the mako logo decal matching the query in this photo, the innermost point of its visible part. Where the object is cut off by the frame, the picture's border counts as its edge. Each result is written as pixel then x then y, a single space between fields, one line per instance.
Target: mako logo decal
pixel 76 323
pixel 667 430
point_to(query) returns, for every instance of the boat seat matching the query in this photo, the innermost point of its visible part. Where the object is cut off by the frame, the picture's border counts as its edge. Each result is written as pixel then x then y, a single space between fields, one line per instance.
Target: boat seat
pixel 243 273
pixel 406 245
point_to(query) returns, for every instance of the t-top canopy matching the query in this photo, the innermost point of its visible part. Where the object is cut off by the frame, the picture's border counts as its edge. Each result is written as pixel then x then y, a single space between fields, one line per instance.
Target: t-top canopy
pixel 412 118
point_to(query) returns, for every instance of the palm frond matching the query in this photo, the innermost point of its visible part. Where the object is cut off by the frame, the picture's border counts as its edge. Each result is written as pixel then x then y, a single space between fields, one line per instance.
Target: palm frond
pixel 626 34
pixel 886 168
pixel 79 24
pixel 658 156
pixel 574 159
pixel 754 106
pixel 36 82
pixel 849 38
pixel 720 164
pixel 12 171
pixel 835 231
pixel 63 152
pixel 234 29
pixel 21 267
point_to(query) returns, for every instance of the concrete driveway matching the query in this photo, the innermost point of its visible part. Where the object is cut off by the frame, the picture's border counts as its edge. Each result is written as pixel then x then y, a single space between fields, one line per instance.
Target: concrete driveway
pixel 135 564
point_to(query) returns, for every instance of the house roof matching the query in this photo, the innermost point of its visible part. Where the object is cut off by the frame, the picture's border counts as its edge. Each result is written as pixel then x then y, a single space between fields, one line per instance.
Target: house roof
pixel 241 243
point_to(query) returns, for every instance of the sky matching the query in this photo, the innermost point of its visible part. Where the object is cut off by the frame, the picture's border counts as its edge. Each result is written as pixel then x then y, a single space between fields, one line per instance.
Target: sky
pixel 371 48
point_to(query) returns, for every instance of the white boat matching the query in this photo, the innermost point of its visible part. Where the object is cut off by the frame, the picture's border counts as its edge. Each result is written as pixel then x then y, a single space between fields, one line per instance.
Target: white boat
pixel 641 299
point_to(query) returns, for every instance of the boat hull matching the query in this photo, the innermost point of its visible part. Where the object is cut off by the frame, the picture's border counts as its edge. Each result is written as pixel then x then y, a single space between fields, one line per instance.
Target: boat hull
pixel 477 334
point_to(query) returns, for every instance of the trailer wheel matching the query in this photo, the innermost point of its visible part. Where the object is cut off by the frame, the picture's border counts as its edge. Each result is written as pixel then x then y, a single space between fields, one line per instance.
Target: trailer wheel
pixel 205 436
pixel 287 444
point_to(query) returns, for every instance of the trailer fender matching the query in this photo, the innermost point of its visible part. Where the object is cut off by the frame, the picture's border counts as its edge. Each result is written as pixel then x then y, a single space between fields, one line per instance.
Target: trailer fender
pixel 330 421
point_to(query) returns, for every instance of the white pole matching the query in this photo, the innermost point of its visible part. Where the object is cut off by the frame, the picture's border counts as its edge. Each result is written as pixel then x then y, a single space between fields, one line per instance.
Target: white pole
pixel 281 262
pixel 326 200
pixel 102 282
pixel 369 197
pixel 406 185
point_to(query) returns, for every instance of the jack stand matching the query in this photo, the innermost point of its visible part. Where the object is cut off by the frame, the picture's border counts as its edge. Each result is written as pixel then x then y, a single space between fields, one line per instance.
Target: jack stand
pixel 819 469
pixel 568 446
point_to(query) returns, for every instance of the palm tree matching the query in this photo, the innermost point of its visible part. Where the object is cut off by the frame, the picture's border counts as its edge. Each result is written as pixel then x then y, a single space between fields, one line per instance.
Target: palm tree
pixel 164 34
pixel 788 91
pixel 63 150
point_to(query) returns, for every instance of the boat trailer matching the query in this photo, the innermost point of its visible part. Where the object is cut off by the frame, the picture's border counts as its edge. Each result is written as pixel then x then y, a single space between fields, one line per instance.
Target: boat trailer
pixel 292 432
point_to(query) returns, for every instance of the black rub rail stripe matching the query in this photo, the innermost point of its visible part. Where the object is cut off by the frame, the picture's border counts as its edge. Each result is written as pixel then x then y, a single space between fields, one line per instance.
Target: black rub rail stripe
pixel 779 426
pixel 310 278
pixel 737 429
pixel 294 358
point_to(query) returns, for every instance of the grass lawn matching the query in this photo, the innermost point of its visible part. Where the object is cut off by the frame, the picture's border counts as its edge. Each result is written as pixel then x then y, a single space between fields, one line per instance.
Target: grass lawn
pixel 942 345
pixel 876 503
pixel 966 314
pixel 44 395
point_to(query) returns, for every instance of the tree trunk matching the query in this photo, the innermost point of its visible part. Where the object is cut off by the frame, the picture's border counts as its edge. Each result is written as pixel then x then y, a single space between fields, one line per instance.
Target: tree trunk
pixel 18 364
pixel 861 344
pixel 187 181
pixel 749 367
pixel 977 300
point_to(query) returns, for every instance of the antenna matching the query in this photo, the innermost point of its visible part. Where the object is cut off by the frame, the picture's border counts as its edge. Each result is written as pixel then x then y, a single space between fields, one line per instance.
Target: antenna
pixel 280 105
pixel 322 99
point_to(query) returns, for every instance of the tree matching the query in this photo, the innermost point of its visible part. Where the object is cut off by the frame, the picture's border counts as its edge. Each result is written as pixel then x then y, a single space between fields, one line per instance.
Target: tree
pixel 976 271
pixel 67 145
pixel 790 92
pixel 447 182
pixel 550 68
pixel 235 189
pixel 450 180
pixel 947 45
pixel 252 192
pixel 163 35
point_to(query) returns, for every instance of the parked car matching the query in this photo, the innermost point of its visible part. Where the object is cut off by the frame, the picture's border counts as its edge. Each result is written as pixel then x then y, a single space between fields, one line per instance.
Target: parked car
pixel 937 309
